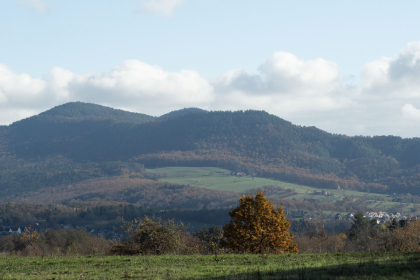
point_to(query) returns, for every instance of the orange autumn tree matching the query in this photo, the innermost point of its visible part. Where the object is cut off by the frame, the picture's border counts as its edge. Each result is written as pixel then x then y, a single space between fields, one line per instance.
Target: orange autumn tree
pixel 257 227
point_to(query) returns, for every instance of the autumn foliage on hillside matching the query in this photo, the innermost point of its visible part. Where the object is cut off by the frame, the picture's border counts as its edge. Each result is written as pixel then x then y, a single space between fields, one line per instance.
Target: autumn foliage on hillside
pixel 138 191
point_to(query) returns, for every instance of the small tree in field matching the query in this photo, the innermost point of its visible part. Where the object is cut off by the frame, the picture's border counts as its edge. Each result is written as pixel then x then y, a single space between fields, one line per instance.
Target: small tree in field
pixel 257 227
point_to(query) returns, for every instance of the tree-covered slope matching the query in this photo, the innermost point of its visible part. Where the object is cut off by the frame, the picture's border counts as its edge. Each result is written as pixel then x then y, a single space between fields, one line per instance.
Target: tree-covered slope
pixel 250 141
pixel 182 112
pixel 81 111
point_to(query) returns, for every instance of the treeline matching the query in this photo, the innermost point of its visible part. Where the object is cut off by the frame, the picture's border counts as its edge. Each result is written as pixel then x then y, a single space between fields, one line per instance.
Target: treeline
pixel 364 235
pixel 99 215
pixel 67 242
pixel 19 177
pixel 157 236
pixel 93 215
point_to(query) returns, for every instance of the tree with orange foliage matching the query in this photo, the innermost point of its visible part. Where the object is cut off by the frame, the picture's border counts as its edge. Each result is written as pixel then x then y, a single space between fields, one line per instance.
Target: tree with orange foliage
pixel 407 238
pixel 257 227
pixel 28 238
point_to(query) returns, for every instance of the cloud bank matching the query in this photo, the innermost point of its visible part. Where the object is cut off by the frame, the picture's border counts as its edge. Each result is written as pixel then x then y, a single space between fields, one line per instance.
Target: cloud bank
pixel 311 92
pixel 291 84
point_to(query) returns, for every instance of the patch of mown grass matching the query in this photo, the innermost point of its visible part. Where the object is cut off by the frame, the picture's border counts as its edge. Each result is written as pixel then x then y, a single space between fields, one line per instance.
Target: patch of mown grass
pixel 287 266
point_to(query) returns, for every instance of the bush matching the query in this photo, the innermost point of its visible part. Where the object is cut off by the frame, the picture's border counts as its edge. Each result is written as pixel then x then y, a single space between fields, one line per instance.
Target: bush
pixel 63 242
pixel 210 239
pixel 153 236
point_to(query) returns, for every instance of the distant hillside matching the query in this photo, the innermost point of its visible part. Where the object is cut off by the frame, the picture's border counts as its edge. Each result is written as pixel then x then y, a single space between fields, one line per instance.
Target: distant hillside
pixel 182 112
pixel 135 190
pixel 82 111
pixel 251 141
pixel 3 140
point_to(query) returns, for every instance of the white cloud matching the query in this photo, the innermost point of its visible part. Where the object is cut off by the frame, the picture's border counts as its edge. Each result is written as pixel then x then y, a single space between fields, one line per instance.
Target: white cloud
pixel 311 92
pixel 375 73
pixel 142 85
pixel 165 7
pixel 284 85
pixel 19 90
pixel 285 73
pixel 133 85
pixel 39 5
pixel 397 77
pixel 410 112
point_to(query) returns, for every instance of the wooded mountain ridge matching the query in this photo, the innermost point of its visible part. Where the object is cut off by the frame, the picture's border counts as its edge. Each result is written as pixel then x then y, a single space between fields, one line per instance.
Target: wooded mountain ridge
pixel 78 141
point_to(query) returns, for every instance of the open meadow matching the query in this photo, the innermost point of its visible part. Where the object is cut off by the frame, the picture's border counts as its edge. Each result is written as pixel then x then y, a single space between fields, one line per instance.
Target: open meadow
pixel 220 179
pixel 283 266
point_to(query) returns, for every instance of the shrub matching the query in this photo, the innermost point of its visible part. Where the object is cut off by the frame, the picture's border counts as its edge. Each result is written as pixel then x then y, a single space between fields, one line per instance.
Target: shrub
pixel 63 242
pixel 150 236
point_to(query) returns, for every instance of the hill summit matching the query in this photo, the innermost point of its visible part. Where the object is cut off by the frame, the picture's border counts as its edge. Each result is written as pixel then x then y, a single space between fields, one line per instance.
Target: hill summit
pixel 80 110
pixel 182 112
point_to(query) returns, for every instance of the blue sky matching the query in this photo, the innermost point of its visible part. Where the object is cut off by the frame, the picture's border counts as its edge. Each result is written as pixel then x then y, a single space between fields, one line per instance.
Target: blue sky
pixel 347 67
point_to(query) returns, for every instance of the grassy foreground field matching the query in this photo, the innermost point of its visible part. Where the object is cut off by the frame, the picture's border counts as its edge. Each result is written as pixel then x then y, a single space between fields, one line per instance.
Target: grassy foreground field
pixel 219 179
pixel 326 266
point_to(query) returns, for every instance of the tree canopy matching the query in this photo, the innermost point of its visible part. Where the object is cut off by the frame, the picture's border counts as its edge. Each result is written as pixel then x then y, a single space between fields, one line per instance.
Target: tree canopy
pixel 257 227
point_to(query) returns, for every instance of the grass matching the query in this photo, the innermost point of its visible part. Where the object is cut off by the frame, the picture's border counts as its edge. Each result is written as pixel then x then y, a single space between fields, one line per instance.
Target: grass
pixel 287 266
pixel 219 179
pixel 215 179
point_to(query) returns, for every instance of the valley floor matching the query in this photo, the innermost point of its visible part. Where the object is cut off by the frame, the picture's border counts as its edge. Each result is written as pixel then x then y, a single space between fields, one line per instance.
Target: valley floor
pixel 287 266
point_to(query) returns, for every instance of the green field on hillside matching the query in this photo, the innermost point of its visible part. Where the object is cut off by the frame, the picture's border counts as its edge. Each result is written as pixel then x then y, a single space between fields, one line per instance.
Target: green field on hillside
pixel 217 179
pixel 220 179
pixel 287 266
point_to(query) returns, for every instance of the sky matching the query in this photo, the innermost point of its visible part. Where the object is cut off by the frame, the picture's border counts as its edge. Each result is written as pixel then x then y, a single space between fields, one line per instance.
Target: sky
pixel 347 67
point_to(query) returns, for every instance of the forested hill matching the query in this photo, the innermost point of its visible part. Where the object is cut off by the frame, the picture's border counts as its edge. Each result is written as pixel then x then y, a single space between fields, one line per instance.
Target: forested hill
pixel 182 112
pixel 81 111
pixel 251 141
